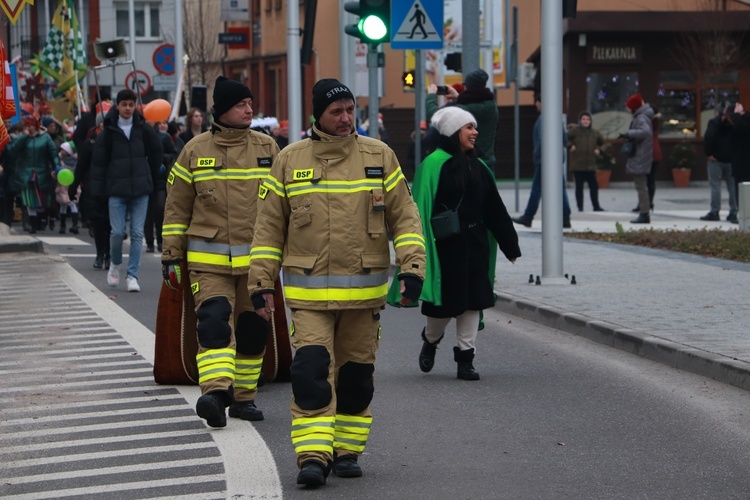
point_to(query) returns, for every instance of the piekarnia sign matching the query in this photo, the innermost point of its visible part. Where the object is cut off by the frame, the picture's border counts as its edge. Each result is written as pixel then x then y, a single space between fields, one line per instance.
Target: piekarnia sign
pixel 613 53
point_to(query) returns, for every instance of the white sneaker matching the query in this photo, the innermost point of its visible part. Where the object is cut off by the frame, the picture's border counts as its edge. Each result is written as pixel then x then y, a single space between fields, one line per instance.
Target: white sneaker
pixel 133 284
pixel 113 276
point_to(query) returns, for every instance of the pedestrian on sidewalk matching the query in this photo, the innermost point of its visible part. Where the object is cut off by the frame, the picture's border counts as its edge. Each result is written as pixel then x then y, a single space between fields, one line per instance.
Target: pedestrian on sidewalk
pixel 459 278
pixel 536 184
pixel 329 203
pixel 584 145
pixel 717 144
pixel 641 132
pixel 209 222
pixel 125 167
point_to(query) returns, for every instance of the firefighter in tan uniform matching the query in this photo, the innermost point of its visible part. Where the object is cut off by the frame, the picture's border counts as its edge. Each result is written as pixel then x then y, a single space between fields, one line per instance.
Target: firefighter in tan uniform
pixel 209 221
pixel 327 207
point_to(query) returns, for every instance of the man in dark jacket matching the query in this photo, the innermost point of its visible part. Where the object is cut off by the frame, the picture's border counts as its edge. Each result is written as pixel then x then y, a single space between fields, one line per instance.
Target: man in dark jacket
pixel 717 142
pixel 125 167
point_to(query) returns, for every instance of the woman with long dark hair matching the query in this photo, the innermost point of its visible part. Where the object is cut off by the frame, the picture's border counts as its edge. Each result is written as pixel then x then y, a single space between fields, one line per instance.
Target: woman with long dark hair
pixel 457 189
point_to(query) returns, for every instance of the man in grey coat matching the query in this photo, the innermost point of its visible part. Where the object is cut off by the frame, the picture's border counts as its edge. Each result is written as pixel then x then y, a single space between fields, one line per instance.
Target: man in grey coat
pixel 639 165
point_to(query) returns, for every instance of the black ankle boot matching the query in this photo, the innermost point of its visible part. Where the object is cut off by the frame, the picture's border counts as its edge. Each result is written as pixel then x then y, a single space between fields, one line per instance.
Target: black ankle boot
pixel 427 354
pixel 62 224
pixel 641 219
pixel 74 227
pixel 465 360
pixel 33 224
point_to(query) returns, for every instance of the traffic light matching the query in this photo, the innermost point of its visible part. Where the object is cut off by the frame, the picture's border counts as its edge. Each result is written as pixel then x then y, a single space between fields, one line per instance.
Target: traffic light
pixel 408 79
pixel 374 22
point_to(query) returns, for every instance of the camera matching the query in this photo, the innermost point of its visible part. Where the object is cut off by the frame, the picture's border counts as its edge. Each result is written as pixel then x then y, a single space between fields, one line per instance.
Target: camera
pixel 442 90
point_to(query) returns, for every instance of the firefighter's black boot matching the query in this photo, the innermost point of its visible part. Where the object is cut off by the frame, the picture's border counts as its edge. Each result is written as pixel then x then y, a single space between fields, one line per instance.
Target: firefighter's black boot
pixel 245 410
pixel 427 354
pixel 347 466
pixel 464 359
pixel 211 408
pixel 312 473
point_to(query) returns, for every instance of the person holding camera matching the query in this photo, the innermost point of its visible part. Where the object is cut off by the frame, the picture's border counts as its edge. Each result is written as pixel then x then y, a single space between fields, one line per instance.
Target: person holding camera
pixel 639 163
pixel 464 220
pixel 478 100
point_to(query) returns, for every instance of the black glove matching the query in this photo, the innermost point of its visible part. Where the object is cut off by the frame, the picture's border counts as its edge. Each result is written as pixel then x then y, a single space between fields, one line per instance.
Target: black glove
pixel 72 192
pixel 413 285
pixel 623 136
pixel 257 299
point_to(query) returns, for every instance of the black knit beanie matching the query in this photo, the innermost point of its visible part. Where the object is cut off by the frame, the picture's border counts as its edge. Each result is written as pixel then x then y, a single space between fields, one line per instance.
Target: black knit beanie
pixel 325 92
pixel 476 80
pixel 227 93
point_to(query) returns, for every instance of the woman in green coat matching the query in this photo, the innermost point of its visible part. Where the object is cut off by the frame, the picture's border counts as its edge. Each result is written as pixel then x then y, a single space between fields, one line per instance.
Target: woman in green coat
pixel 33 172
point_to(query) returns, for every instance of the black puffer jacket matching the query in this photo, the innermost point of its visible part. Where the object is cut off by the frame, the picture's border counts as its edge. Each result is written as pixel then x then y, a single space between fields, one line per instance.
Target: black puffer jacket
pixel 125 167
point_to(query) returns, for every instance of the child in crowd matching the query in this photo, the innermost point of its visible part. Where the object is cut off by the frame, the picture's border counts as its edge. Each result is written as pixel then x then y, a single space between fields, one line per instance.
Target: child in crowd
pixel 68 159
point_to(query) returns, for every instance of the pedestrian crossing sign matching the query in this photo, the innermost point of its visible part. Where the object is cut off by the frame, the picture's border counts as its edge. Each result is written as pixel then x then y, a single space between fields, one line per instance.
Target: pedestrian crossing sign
pixel 417 24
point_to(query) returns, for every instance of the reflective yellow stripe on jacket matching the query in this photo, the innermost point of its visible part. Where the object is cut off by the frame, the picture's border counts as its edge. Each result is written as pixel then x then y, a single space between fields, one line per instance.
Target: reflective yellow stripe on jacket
pixel 313 434
pixel 265 253
pixel 173 229
pixel 336 288
pixel 218 254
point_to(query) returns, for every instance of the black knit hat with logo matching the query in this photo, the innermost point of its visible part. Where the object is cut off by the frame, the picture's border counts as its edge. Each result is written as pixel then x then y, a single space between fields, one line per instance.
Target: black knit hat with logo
pixel 227 93
pixel 325 92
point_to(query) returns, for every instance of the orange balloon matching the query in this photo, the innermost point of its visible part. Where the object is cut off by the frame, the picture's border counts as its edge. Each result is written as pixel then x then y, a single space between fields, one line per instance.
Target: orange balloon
pixel 157 110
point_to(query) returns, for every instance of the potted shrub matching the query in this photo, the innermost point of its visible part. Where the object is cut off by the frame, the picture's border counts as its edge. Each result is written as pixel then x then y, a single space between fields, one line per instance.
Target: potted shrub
pixel 605 162
pixel 682 159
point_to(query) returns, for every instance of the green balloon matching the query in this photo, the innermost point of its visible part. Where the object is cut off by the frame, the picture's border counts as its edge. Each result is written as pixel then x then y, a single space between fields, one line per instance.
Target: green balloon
pixel 65 177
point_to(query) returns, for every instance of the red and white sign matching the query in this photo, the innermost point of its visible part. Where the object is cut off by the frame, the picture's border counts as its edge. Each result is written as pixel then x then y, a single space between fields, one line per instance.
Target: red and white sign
pixel 138 81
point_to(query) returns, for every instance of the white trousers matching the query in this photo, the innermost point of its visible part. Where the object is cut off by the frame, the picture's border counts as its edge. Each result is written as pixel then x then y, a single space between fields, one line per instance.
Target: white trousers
pixel 467 328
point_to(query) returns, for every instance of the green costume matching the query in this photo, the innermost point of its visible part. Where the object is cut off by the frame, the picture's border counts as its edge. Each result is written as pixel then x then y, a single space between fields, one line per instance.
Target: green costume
pixel 424 188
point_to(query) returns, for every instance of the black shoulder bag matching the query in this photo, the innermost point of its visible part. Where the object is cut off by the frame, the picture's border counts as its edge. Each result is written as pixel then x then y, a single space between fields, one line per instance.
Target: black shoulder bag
pixel 446 224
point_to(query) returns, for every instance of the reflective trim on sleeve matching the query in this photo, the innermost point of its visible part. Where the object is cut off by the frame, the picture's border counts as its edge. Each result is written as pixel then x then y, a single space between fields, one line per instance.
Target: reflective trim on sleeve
pixel 274 185
pixel 265 253
pixel 173 229
pixel 408 239
pixel 393 179
pixel 182 173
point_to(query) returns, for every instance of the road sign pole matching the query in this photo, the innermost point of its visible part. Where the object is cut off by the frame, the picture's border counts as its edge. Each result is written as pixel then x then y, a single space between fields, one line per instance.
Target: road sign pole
pixel 294 85
pixel 470 36
pixel 418 100
pixel 372 75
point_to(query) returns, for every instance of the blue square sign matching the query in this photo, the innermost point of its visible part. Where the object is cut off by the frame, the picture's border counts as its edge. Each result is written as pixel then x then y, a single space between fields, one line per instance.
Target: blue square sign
pixel 417 24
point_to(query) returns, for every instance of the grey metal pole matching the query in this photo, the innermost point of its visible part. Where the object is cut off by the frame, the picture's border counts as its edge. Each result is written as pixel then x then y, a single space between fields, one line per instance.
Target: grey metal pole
pixel 552 147
pixel 418 109
pixel 470 36
pixel 179 52
pixel 373 101
pixel 516 108
pixel 131 36
pixel 294 81
pixel 346 48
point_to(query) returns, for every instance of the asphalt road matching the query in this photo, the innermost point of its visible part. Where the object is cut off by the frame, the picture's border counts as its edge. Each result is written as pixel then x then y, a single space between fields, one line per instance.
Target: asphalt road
pixel 553 416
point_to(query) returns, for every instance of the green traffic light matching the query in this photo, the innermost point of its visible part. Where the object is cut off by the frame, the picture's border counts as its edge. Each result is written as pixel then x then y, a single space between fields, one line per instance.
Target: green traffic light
pixel 373 28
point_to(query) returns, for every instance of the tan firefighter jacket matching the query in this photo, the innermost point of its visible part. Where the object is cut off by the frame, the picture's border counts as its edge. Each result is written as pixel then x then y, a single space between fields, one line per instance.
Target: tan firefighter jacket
pixel 212 199
pixel 327 208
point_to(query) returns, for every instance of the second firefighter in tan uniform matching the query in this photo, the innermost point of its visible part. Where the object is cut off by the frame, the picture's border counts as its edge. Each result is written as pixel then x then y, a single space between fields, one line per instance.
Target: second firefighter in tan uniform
pixel 209 220
pixel 328 205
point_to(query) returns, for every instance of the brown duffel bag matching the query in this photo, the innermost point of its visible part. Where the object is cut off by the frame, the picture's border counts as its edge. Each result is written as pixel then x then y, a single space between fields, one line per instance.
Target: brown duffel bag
pixel 177 340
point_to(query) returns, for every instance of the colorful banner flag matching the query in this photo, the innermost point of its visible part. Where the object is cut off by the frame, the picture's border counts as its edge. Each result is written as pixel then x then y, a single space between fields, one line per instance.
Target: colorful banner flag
pixel 13 8
pixel 63 58
pixel 7 99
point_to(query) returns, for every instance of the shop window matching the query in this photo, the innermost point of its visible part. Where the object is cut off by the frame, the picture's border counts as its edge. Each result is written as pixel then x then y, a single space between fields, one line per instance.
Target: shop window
pixel 146 20
pixel 678 113
pixel 710 99
pixel 606 96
